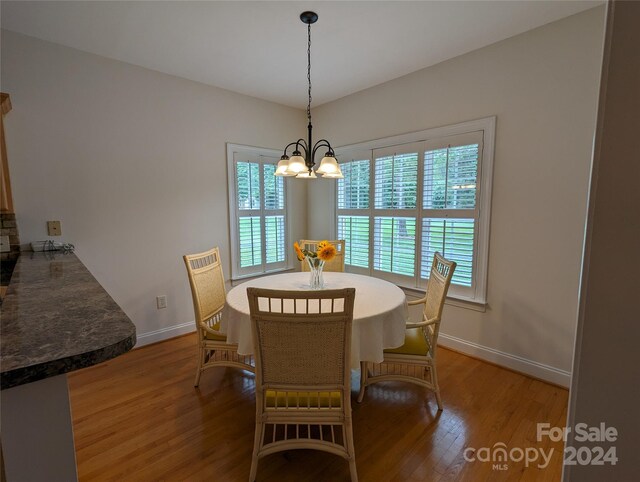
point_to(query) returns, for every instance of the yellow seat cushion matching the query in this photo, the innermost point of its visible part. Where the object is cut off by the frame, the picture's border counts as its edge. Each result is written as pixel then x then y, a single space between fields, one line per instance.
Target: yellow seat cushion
pixel 215 337
pixel 316 399
pixel 414 343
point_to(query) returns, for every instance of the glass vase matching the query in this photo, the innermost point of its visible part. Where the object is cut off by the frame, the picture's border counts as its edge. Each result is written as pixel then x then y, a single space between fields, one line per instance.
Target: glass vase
pixel 316 282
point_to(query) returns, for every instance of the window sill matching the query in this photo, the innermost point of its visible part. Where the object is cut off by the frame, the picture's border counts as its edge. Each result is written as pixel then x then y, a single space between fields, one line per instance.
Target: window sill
pixel 241 279
pixel 458 302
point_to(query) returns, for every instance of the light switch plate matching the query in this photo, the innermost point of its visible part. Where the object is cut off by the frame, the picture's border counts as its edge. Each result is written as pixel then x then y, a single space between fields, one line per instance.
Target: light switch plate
pixel 4 244
pixel 54 228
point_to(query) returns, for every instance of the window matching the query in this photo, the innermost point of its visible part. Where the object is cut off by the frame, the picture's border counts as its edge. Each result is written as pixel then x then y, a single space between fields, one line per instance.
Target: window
pixel 257 211
pixel 353 200
pixel 404 198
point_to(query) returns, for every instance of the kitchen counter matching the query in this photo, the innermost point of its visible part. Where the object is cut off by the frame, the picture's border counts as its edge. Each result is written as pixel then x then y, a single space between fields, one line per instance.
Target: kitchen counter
pixel 57 318
pixel 7 263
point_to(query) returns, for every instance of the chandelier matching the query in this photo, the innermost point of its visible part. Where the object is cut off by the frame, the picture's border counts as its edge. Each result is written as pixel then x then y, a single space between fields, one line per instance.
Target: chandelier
pixel 302 159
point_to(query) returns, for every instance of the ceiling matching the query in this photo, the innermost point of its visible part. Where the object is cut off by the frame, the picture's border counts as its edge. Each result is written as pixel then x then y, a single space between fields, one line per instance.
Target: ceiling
pixel 259 48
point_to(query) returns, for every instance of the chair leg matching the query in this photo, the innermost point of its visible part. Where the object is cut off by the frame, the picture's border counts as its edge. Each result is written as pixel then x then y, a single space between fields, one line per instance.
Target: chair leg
pixel 348 434
pixel 199 369
pixel 254 468
pixel 363 380
pixel 352 470
pixel 434 379
pixel 257 444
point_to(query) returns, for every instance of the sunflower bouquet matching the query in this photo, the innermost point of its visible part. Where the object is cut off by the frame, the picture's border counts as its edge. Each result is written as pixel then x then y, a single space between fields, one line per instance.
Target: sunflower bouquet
pixel 325 251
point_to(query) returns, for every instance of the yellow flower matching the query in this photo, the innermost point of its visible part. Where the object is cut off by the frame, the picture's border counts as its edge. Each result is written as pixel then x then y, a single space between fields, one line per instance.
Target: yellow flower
pixel 326 251
pixel 299 252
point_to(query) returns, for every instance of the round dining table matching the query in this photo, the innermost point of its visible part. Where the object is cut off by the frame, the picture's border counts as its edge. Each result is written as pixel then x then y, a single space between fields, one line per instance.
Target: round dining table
pixel 379 314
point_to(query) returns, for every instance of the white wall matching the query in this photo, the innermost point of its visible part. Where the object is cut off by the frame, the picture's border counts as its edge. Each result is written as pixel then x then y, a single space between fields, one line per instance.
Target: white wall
pixel 133 163
pixel 542 86
pixel 604 388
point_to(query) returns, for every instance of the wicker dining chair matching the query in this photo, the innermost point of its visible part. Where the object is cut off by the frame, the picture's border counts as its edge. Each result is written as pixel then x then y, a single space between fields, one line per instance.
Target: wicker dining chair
pixel 302 345
pixel 415 361
pixel 336 264
pixel 209 295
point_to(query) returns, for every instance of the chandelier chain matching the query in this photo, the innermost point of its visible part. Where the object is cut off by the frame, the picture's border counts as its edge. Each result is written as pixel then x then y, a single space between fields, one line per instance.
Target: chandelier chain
pixel 309 73
pixel 297 165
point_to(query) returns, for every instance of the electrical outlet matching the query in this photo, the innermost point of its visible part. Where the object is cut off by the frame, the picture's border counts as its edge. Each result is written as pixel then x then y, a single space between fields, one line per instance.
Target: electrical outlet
pixel 54 228
pixel 161 301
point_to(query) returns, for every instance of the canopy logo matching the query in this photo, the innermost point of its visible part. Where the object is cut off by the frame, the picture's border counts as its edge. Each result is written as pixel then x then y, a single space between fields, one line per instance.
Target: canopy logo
pixel 500 456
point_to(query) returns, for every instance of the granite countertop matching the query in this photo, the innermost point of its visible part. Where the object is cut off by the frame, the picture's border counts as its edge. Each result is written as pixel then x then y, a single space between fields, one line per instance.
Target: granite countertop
pixel 7 264
pixel 57 318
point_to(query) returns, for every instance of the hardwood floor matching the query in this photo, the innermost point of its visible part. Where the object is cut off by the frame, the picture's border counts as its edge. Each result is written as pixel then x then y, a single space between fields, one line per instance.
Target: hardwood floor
pixel 139 418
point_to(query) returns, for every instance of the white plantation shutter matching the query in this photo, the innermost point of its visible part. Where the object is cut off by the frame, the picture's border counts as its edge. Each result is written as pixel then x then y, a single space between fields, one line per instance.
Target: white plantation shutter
pixel 355 232
pixel 450 211
pixel 249 220
pixel 273 189
pixel 395 211
pixel 248 185
pixel 454 238
pixel 396 180
pixel 353 190
pixel 275 239
pixel 258 212
pixel 450 177
pixel 394 245
pixel 273 209
pixel 353 205
pixel 250 239
pixel 405 198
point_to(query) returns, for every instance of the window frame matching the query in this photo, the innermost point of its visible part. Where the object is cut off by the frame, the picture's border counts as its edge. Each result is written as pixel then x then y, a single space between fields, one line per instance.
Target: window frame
pixel 261 156
pixel 357 154
pixel 478 292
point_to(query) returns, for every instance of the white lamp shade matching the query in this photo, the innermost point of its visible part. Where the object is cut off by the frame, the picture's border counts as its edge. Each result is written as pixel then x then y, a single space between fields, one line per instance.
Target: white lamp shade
pixel 328 165
pixel 296 165
pixel 306 175
pixel 334 175
pixel 282 169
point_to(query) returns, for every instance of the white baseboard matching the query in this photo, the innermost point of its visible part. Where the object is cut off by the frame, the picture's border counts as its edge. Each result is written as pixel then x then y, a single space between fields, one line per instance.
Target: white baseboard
pixel 520 364
pixel 524 365
pixel 165 333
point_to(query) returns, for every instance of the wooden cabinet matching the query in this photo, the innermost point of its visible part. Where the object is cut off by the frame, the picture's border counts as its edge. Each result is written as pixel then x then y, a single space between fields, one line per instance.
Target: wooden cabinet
pixel 6 198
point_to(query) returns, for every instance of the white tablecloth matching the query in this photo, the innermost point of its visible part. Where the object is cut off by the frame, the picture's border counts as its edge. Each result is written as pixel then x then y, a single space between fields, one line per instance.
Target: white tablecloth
pixel 379 314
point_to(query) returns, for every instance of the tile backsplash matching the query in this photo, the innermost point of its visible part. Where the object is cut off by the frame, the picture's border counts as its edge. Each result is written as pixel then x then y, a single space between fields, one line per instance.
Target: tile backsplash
pixel 10 228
